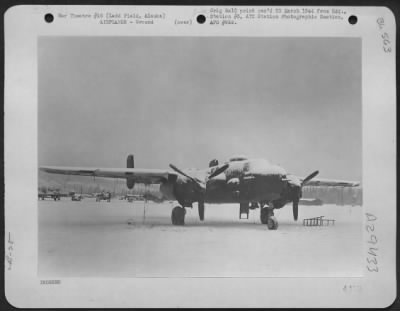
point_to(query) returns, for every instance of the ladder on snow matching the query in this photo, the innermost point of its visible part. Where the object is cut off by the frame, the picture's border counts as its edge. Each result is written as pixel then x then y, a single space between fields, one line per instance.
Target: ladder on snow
pixel 318 221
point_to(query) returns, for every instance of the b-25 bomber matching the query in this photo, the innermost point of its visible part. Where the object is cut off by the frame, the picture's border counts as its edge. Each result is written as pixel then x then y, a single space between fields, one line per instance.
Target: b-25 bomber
pixel 251 183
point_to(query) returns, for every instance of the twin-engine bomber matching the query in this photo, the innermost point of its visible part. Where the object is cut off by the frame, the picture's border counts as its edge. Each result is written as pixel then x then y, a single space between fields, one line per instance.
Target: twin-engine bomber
pixel 252 183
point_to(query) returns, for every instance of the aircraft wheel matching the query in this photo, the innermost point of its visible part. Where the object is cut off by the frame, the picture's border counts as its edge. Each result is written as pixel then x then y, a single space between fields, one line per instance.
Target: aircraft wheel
pixel 265 214
pixel 178 216
pixel 272 223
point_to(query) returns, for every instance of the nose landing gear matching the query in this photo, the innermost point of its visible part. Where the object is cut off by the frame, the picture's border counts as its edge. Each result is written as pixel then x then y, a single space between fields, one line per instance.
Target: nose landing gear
pixel 267 217
pixel 272 223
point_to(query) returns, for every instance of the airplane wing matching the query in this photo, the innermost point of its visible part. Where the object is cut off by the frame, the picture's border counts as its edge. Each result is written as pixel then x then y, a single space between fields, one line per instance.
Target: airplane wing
pixel 331 182
pixel 151 176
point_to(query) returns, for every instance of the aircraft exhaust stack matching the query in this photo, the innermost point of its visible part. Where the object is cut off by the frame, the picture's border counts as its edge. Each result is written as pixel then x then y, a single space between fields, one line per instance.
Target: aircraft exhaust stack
pixel 130 163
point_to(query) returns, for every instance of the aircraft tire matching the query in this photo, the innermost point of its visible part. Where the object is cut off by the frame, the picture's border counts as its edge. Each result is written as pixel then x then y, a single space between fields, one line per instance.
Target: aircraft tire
pixel 272 223
pixel 178 216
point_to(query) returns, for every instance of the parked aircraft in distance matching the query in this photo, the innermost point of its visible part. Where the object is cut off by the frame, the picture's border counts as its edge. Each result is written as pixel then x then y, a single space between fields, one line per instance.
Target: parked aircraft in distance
pixel 133 197
pixel 51 194
pixel 76 197
pixel 103 196
pixel 252 183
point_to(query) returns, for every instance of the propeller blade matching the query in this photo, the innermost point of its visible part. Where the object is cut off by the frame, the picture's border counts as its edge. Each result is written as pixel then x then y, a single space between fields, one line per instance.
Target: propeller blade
pixel 201 210
pixel 219 171
pixel 295 209
pixel 180 172
pixel 309 177
pixel 195 180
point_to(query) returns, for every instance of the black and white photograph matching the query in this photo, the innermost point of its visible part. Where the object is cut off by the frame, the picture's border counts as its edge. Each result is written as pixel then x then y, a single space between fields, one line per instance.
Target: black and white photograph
pixel 197 156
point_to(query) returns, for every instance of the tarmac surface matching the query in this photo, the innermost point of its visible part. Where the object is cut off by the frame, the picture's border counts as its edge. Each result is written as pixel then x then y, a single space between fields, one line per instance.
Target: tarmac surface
pixel 122 239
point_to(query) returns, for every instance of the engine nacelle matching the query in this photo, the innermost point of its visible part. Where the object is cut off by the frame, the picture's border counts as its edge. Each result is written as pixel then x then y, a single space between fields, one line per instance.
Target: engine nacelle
pixel 185 192
pixel 130 183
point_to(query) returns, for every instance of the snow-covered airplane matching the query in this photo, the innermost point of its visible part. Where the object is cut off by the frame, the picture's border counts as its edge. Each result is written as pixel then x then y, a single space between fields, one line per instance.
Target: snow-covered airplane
pixel 252 183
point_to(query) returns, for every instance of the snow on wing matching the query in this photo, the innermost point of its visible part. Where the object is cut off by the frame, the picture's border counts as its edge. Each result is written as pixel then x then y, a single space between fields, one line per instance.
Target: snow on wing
pixel 152 176
pixel 332 183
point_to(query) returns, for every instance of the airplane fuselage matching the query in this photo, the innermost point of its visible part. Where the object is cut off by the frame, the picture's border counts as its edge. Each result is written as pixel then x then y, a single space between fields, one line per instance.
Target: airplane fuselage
pixel 249 189
pixel 244 181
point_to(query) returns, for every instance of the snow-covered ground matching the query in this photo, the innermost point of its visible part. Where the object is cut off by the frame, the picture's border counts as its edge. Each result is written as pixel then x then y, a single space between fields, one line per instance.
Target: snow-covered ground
pixel 100 239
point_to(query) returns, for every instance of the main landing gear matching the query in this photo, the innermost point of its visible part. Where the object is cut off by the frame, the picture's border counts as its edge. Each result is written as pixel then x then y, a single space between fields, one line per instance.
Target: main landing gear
pixel 267 217
pixel 178 216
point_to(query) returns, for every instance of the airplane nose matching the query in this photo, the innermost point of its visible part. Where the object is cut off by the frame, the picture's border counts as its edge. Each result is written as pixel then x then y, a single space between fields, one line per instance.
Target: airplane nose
pixel 273 181
pixel 277 170
pixel 274 172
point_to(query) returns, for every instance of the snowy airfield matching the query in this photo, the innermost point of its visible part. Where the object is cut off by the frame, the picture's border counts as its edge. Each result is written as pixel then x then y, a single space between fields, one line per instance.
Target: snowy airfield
pixel 122 239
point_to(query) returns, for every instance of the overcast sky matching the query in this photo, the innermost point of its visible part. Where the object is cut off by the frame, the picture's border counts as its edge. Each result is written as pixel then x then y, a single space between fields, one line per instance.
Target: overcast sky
pixel 295 101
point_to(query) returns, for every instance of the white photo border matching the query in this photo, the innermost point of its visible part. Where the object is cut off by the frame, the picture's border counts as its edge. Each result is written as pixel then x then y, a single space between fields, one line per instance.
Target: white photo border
pixel 376 26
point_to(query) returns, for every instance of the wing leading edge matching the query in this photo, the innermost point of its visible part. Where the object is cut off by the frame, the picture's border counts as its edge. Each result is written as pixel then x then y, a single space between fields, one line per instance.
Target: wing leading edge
pixel 332 183
pixel 151 176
